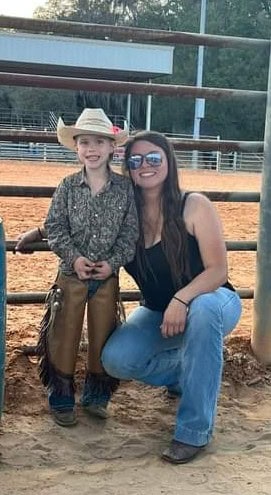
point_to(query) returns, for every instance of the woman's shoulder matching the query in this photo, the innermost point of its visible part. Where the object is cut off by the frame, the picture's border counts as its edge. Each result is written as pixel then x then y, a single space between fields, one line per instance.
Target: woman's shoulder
pixel 198 208
pixel 195 200
pixel 195 196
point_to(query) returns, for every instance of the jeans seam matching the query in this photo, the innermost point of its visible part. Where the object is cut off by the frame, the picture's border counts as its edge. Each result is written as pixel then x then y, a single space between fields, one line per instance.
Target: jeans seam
pixel 187 435
pixel 229 300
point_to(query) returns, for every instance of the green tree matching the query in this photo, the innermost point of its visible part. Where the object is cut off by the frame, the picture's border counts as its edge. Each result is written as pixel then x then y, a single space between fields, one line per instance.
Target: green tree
pixel 234 68
pixel 36 99
pixel 245 69
pixel 92 11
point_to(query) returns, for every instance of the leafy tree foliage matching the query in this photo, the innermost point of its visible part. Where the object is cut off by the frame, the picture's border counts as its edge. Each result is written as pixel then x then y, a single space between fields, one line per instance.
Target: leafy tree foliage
pixel 246 68
pixel 93 11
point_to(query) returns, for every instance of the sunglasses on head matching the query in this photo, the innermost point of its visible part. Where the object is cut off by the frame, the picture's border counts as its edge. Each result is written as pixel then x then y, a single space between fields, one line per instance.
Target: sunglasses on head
pixel 154 159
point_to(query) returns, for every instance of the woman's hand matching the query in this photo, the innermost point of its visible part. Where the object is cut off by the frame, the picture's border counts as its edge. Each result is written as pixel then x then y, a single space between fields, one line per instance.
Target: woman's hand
pixel 174 319
pixel 33 235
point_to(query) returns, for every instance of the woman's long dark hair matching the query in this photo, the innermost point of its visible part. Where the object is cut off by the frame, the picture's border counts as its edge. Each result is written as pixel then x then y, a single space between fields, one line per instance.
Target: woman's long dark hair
pixel 174 233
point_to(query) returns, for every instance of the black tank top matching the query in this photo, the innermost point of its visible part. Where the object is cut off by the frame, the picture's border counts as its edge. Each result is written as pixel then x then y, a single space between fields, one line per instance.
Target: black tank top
pixel 157 286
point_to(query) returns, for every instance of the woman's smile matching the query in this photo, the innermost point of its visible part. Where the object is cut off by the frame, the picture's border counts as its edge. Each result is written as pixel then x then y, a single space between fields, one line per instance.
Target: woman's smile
pixel 147 174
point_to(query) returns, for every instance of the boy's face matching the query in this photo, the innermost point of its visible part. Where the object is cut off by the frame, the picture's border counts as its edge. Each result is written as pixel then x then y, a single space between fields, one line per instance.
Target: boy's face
pixel 94 151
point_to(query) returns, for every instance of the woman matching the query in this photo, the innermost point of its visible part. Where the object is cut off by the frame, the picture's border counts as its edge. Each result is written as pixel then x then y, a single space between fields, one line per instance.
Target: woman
pixel 175 339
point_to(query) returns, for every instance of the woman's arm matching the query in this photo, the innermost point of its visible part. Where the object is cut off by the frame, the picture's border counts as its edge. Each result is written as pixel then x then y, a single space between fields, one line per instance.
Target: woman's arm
pixel 202 221
pixel 32 235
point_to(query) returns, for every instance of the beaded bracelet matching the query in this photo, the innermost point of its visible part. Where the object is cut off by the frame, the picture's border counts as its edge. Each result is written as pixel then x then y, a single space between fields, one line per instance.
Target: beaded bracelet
pixel 181 301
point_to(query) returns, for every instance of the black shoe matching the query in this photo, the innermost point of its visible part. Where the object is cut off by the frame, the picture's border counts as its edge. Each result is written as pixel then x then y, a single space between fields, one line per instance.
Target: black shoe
pixel 64 417
pixel 173 391
pixel 180 453
pixel 97 410
pixel 173 394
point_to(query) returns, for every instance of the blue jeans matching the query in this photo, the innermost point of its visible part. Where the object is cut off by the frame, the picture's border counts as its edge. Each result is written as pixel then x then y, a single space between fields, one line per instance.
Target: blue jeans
pixel 191 361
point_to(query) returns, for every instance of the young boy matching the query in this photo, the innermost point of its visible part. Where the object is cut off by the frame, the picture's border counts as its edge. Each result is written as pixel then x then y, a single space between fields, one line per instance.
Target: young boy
pixel 92 226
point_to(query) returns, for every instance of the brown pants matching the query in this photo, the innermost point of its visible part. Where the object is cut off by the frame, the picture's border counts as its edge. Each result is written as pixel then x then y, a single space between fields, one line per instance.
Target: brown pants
pixel 63 333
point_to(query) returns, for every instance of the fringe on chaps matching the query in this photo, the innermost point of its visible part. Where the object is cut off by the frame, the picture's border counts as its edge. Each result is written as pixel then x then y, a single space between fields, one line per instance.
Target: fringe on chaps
pixel 60 334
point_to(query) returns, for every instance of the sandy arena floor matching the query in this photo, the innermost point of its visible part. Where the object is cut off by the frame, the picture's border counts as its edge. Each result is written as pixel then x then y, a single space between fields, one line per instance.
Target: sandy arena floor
pixel 121 456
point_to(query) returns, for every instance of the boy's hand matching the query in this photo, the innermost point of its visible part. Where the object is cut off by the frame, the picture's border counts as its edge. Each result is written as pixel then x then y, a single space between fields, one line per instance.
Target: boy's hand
pixel 83 268
pixel 101 271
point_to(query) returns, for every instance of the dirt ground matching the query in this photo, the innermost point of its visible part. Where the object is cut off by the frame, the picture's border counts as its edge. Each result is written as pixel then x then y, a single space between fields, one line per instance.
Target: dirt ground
pixel 121 456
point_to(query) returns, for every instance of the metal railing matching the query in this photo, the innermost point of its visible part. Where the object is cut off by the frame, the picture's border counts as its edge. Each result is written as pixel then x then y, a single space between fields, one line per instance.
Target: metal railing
pixel 261 337
pixel 210 160
pixel 36 152
pixel 34 191
pixel 45 120
pixel 3 301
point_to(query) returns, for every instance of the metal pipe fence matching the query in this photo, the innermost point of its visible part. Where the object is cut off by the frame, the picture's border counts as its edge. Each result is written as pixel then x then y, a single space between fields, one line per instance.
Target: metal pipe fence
pixel 124 87
pixel 262 337
pixel 121 33
pixel 211 160
pixel 44 120
pixel 3 302
pixel 127 296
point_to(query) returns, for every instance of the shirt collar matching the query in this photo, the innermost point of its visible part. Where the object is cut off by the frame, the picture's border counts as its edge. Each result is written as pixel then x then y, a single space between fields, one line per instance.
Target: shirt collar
pixel 112 177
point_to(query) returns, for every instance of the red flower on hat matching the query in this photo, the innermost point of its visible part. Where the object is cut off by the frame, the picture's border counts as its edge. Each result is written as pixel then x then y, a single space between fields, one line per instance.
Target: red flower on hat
pixel 116 129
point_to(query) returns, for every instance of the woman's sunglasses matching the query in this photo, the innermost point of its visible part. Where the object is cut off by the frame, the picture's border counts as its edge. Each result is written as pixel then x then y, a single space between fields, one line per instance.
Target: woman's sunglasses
pixel 154 159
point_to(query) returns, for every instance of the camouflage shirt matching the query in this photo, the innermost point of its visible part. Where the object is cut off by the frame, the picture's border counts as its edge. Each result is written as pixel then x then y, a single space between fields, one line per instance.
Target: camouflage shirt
pixel 103 227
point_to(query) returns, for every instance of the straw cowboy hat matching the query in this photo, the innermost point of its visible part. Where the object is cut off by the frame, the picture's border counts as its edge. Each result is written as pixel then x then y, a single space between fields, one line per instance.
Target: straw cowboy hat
pixel 91 121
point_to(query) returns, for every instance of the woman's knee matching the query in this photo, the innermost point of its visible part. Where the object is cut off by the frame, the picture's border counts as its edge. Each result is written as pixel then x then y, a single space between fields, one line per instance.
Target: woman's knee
pixel 119 356
pixel 218 310
pixel 206 305
pixel 204 326
pixel 111 359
